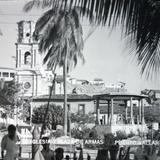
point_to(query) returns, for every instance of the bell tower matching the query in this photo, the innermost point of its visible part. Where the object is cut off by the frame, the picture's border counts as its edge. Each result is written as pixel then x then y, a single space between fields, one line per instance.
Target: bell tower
pixel 30 72
pixel 27 56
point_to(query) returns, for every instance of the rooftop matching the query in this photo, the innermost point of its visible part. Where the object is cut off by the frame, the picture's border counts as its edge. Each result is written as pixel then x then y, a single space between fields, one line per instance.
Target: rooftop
pixel 119 96
pixel 91 89
pixel 7 68
pixel 60 97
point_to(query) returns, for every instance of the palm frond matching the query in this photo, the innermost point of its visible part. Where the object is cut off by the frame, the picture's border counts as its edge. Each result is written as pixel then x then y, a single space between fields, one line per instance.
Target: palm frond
pixel 38 4
pixel 44 20
pixel 49 35
pixel 139 19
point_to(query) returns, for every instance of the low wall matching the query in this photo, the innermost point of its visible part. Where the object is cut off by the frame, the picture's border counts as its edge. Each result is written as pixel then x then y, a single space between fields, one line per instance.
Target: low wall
pixel 127 128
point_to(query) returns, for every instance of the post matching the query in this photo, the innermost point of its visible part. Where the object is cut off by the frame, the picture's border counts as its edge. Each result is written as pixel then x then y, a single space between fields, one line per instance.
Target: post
pixel 104 119
pixel 142 121
pixel 97 111
pixel 140 113
pixel 31 112
pixel 65 92
pixel 131 105
pixel 142 108
pixel 126 111
pixel 112 110
pixel 108 112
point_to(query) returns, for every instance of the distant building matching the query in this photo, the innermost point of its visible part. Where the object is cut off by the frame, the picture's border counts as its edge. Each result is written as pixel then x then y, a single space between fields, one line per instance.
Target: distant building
pixel 98 82
pixel 7 74
pixel 75 81
pixel 154 96
pixel 81 104
pixel 91 89
pixel 119 84
pixel 155 93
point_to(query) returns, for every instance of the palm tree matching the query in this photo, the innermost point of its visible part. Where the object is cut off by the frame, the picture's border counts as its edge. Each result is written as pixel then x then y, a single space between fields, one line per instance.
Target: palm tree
pixel 60 37
pixel 139 20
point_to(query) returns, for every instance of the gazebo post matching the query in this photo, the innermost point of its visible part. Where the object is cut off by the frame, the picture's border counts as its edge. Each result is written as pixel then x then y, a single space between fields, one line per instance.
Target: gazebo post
pixel 131 105
pixel 126 110
pixel 140 111
pixel 97 111
pixel 104 118
pixel 108 112
pixel 112 110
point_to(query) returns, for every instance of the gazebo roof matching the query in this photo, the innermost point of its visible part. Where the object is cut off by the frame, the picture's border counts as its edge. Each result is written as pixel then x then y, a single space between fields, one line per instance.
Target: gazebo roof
pixel 119 96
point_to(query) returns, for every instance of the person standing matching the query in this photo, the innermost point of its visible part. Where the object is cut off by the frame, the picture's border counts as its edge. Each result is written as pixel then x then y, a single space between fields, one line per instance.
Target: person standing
pixel 47 153
pixel 9 144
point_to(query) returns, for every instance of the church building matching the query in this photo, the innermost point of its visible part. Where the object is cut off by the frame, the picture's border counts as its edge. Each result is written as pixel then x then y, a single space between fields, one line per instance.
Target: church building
pixel 31 74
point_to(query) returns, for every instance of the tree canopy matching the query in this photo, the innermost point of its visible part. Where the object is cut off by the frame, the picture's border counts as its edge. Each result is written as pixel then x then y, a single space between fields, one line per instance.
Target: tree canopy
pixel 139 20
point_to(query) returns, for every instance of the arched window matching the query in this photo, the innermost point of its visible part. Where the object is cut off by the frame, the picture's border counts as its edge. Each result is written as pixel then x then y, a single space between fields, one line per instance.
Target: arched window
pixel 27 58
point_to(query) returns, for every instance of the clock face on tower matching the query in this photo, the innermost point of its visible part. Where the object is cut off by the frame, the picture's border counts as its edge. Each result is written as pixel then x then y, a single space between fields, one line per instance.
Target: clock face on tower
pixel 27 85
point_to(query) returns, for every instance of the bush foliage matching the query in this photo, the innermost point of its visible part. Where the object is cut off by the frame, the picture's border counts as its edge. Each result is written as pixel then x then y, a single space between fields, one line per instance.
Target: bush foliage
pixel 55 116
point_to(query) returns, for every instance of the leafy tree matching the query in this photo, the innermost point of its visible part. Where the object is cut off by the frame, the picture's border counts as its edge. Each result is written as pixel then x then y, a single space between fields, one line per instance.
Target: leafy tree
pixel 81 129
pixel 151 95
pixel 10 90
pixel 55 116
pixel 152 114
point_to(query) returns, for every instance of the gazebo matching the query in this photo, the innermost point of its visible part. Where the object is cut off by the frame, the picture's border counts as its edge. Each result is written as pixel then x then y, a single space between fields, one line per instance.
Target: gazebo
pixel 109 123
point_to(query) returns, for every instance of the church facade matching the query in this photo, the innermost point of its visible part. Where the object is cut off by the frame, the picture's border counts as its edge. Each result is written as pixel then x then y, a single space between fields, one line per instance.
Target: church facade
pixel 30 72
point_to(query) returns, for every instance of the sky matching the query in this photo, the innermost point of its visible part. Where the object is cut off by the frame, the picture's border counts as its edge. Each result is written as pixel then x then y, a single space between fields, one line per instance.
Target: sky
pixel 105 52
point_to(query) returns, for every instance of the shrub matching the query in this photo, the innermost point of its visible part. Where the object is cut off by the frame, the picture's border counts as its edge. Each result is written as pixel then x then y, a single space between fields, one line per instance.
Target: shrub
pixel 58 133
pixel 82 119
pixel 85 134
pixel 131 134
pixel 121 135
pixel 55 115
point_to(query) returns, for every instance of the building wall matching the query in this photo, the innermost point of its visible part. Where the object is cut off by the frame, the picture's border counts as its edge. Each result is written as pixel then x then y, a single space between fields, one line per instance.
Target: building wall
pixel 89 105
pixel 7 74
pixel 21 49
pixel 38 85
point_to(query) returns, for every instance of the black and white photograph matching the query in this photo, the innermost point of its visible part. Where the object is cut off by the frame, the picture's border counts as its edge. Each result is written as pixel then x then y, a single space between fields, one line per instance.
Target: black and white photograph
pixel 80 80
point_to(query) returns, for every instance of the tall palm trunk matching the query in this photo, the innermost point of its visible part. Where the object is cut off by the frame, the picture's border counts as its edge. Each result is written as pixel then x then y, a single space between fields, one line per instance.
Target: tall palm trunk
pixel 35 133
pixel 65 90
pixel 47 109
